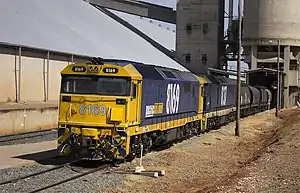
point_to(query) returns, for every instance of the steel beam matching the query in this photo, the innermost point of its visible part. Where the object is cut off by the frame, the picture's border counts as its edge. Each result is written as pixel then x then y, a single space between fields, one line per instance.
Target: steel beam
pixel 139 8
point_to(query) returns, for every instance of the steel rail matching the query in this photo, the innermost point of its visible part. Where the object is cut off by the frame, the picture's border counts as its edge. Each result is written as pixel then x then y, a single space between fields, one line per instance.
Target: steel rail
pixel 102 167
pixel 27 133
pixel 24 137
pixel 37 173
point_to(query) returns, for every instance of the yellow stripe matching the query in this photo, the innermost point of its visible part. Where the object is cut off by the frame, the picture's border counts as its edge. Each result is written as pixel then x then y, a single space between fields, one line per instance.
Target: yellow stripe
pixel 163 126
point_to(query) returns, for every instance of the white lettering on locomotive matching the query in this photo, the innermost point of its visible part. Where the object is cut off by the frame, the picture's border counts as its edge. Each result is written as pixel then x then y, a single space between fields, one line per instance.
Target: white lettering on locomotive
pixel 92 109
pixel 223 95
pixel 172 103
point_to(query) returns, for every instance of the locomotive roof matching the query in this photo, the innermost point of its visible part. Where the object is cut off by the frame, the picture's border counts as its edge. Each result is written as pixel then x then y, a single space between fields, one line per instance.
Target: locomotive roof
pixel 125 62
pixel 218 79
pixel 152 71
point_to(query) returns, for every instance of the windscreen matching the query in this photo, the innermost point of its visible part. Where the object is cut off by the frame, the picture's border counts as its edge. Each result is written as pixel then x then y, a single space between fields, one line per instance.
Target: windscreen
pixel 95 85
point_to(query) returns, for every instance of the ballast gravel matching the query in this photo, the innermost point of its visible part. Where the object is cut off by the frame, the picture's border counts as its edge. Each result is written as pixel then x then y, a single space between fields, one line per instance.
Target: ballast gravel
pixel 28 138
pixel 98 181
pixel 11 173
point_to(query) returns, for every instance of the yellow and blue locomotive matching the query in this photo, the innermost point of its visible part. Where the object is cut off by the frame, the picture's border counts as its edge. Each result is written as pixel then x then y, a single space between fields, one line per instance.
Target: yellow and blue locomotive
pixel 109 107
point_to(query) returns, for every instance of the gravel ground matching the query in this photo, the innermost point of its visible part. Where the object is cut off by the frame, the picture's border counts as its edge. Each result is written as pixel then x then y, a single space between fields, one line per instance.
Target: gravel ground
pixel 28 138
pixel 96 181
pixel 35 182
pixel 276 171
pixel 9 173
pixel 203 162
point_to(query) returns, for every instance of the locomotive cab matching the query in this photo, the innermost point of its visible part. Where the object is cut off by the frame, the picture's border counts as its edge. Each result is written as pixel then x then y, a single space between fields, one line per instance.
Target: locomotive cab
pixel 98 102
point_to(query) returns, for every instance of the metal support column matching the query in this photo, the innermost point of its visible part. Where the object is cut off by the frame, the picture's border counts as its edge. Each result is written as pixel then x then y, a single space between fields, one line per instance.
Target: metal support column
pixel 230 19
pixel 286 77
pixel 18 74
pixel 238 90
pixel 48 77
pixel 253 57
pixel 278 81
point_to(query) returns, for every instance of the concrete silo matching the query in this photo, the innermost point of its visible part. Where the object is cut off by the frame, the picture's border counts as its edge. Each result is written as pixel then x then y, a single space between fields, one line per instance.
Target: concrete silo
pixel 267 24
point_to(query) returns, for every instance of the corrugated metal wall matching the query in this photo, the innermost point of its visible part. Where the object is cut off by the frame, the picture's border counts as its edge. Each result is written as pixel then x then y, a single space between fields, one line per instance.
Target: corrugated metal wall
pixel 7 85
pixel 29 75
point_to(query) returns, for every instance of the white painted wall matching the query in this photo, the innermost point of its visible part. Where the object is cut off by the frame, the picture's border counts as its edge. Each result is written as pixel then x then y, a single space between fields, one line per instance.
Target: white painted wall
pixel 32 85
pixel 7 78
pixel 31 79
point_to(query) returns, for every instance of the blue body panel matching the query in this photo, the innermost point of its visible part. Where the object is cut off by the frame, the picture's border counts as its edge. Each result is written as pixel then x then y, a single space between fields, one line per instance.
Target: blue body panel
pixel 162 85
pixel 221 94
pixel 218 97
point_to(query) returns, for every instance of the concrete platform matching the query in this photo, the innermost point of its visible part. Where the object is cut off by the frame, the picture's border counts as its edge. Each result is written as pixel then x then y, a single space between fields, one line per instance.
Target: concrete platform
pixel 25 117
pixel 23 154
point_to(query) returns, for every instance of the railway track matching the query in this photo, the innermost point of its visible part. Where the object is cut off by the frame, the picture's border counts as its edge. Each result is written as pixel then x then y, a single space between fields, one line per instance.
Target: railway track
pixel 102 167
pixel 22 137
pixel 13 180
pixel 67 172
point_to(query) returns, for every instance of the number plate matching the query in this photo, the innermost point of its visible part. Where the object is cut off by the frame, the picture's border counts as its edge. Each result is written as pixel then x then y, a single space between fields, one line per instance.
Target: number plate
pixel 110 70
pixel 78 69
pixel 92 109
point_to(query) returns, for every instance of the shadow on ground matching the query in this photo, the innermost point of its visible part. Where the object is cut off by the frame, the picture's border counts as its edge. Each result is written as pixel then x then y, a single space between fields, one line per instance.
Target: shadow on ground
pixel 52 157
pixel 49 157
